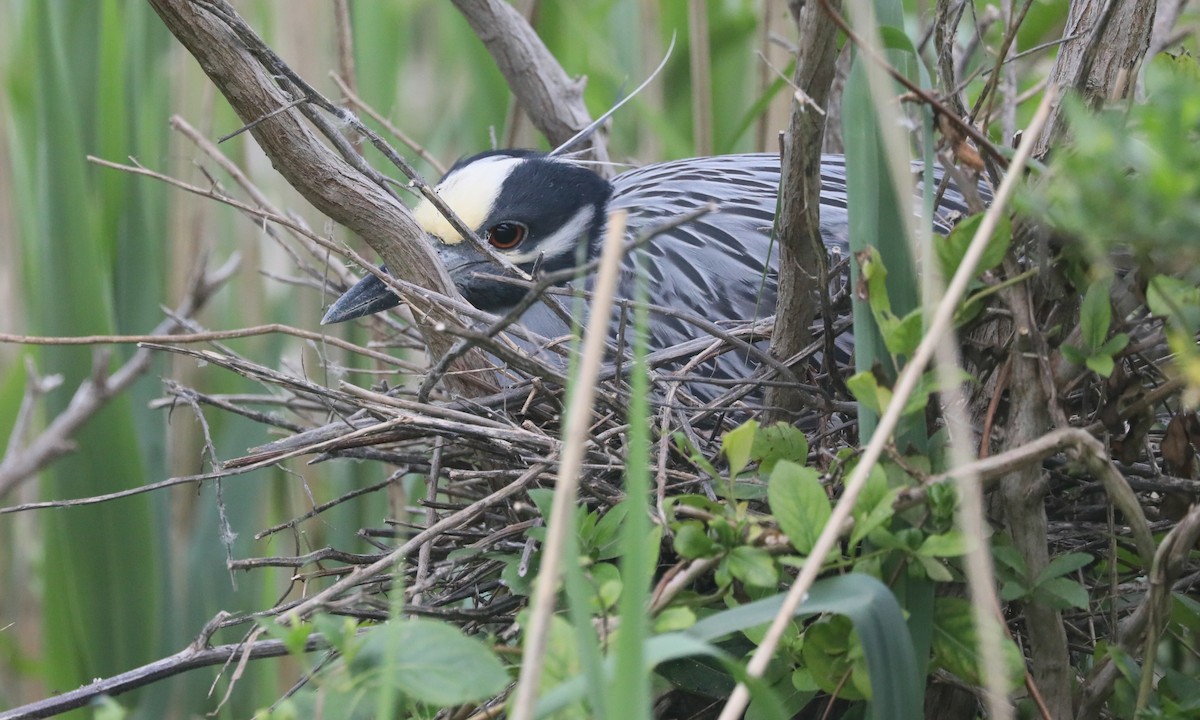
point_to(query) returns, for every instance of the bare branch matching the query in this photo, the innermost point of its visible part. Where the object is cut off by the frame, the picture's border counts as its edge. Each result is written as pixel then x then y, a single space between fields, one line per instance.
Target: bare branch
pixel 553 102
pixel 345 192
pixel 355 101
pixel 1023 494
pixel 803 265
pixel 194 656
pixel 1147 620
pixel 1164 25
pixel 20 463
pixel 1102 64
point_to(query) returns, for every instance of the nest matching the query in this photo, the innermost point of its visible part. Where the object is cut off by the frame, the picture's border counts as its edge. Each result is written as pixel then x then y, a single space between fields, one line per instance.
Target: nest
pixel 480 455
pixel 463 543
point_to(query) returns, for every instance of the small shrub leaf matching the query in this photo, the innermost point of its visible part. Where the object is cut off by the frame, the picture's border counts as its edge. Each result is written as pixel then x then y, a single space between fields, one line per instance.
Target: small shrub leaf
pixel 799 503
pixel 432 662
pixel 737 445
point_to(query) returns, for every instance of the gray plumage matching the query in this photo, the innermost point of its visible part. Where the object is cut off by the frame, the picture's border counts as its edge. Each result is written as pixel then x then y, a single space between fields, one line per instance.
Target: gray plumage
pixel 721 267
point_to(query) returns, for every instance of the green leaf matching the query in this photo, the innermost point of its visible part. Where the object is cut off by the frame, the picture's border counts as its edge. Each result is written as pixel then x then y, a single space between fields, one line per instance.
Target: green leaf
pixel 1115 344
pixel 869 603
pixel 826 654
pixel 1185 611
pixel 875 506
pixel 799 503
pixel 873 489
pixel 781 441
pixel 791 701
pixel 1013 590
pixel 1064 564
pixel 562 665
pixel 943 501
pixel 867 390
pixel 1061 593
pixel 934 569
pixel 1175 299
pixel 951 544
pixel 952 248
pixel 753 566
pixel 971 307
pixel 605 539
pixel 512 578
pixel 903 337
pixel 737 445
pixel 432 662
pixel 748 489
pixel 1008 556
pixel 1074 355
pixel 803 680
pixel 692 541
pixel 879 515
pixel 1095 314
pixel 543 500
pixel 340 632
pixel 699 674
pixel 956 644
pixel 876 274
pixel 662 649
pixel 728 534
pixel 674 618
pixel 293 635
pixel 106 708
pixel 900 335
pixel 1102 365
pixel 605 581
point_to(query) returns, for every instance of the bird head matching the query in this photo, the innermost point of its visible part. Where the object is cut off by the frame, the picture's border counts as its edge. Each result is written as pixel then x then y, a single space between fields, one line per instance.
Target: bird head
pixel 524 204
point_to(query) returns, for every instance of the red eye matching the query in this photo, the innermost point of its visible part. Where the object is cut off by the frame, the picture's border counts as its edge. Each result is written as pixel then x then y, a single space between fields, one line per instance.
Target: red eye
pixel 506 235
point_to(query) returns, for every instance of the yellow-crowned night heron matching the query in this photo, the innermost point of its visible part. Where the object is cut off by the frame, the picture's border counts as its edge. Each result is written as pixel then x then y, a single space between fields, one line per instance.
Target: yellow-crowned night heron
pixel 530 205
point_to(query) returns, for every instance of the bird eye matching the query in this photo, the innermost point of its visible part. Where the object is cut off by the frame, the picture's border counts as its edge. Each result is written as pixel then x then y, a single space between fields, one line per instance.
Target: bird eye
pixel 506 235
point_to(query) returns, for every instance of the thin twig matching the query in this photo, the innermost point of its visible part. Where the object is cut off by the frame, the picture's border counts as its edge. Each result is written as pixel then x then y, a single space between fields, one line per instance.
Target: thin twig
pixel 196 655
pixel 969 130
pixel 574 433
pixel 378 117
pixel 95 392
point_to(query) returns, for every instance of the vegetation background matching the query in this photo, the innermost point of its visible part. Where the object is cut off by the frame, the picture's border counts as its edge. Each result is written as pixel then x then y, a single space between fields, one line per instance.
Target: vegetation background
pixel 87 250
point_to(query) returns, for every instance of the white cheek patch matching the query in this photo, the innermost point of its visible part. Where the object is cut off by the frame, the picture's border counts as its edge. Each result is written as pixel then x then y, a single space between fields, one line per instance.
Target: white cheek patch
pixel 470 192
pixel 564 241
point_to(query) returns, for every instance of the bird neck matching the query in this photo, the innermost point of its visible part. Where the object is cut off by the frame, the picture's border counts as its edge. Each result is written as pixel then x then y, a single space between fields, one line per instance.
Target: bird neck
pixel 595 230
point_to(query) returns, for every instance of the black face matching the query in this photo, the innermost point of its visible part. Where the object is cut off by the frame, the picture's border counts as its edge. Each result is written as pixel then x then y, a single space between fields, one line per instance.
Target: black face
pixel 545 208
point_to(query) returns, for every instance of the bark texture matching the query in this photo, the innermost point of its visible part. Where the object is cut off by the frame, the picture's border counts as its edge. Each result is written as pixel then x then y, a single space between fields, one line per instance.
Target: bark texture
pixel 802 258
pixel 551 99
pixel 1101 63
pixel 1022 496
pixel 325 179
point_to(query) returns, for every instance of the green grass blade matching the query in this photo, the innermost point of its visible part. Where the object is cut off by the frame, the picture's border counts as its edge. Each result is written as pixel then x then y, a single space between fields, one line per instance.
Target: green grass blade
pixel 881 214
pixel 897 690
pixel 94 624
pixel 630 689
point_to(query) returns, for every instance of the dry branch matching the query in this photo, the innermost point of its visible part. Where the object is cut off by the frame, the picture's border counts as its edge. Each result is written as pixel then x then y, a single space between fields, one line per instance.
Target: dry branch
pixel 1023 496
pixel 1102 62
pixel 335 186
pixel 1148 618
pixel 196 655
pixel 803 268
pixel 551 99
pixel 22 460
